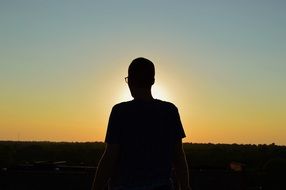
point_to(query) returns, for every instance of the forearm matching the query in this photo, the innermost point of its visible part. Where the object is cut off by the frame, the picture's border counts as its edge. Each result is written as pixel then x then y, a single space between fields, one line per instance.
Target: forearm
pixel 101 177
pixel 106 166
pixel 102 174
pixel 182 172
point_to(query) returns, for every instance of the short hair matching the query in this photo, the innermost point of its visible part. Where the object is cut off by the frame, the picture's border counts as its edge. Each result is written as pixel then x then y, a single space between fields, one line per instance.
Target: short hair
pixel 141 72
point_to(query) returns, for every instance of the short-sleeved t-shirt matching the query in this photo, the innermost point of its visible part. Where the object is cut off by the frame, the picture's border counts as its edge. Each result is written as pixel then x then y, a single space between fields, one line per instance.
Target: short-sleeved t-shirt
pixel 146 132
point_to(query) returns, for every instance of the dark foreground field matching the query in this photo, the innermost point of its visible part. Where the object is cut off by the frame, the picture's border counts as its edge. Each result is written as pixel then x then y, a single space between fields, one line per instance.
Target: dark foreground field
pixel 46 165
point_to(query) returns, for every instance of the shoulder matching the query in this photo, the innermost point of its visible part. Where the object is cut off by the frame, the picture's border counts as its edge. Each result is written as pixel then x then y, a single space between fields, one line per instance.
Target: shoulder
pixel 121 105
pixel 167 105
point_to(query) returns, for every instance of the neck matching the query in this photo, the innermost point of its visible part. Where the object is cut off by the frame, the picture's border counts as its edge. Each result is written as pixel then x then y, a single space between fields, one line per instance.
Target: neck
pixel 143 94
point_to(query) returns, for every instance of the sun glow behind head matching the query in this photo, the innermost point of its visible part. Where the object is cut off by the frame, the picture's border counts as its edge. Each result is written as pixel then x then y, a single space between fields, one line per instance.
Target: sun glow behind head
pixel 158 92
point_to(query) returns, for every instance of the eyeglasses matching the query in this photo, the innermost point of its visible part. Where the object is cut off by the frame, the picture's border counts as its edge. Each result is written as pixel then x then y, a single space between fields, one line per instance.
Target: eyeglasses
pixel 126 79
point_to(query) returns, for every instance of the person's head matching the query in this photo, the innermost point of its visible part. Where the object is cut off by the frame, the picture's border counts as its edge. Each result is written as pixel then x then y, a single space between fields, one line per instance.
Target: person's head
pixel 141 74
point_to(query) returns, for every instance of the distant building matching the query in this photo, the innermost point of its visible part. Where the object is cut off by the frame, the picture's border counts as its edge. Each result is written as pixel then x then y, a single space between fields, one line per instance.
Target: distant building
pixel 236 166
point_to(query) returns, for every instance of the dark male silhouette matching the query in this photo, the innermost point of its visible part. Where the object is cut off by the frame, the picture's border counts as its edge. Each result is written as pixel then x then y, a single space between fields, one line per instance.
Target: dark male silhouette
pixel 143 139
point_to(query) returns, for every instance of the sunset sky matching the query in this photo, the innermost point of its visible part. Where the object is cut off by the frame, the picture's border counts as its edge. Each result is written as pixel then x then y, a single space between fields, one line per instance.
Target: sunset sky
pixel 223 63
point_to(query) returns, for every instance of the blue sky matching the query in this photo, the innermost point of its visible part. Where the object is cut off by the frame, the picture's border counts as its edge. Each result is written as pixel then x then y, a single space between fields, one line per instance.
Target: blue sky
pixel 214 59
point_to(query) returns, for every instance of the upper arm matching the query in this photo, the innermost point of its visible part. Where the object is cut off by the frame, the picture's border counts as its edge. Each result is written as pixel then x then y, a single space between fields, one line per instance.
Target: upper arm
pixel 178 147
pixel 112 151
pixel 113 128
pixel 178 150
pixel 111 154
pixel 178 130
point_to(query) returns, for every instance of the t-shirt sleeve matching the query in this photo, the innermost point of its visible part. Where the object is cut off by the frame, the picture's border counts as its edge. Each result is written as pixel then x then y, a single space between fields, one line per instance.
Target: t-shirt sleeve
pixel 113 128
pixel 179 132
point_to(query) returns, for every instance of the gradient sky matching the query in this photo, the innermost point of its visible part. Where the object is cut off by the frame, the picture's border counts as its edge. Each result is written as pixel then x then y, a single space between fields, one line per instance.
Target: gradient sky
pixel 223 63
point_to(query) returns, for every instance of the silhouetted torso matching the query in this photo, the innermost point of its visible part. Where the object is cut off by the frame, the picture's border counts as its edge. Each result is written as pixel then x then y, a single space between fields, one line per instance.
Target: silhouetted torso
pixel 146 132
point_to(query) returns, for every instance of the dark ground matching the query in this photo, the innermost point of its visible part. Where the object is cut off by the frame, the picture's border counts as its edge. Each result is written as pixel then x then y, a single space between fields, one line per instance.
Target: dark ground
pixel 34 165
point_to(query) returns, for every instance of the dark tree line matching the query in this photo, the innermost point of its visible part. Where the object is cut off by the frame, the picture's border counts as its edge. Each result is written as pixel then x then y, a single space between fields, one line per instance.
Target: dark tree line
pixel 200 156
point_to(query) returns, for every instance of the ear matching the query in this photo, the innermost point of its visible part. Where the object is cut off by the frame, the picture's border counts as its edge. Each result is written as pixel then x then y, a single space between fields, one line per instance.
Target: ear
pixel 153 81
